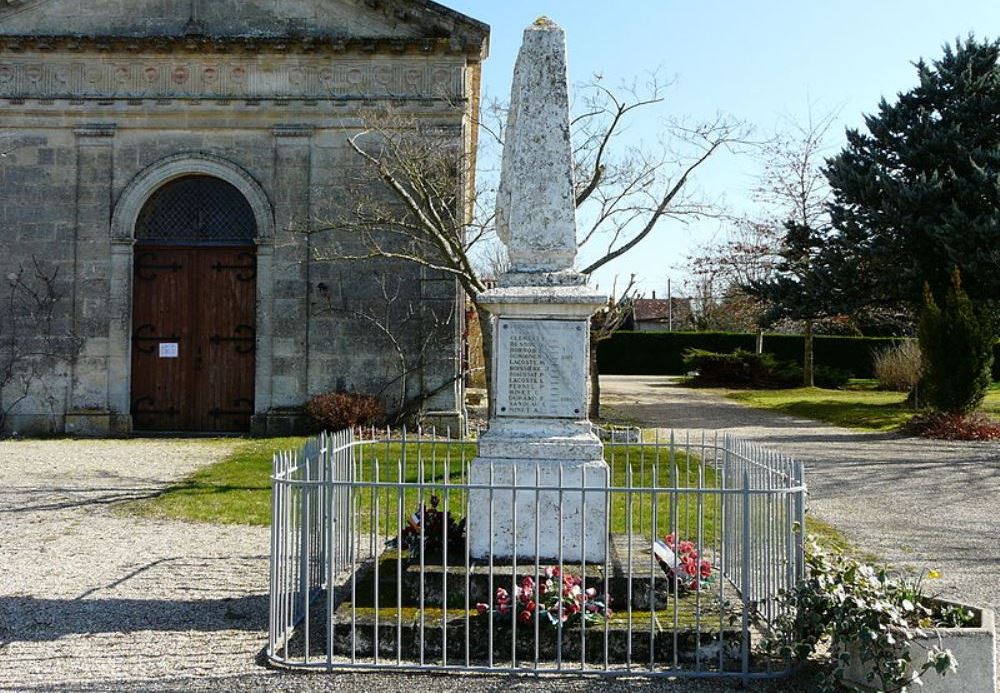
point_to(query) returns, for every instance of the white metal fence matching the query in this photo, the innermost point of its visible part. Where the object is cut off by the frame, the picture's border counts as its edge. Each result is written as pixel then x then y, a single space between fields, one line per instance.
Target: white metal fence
pixel 370 563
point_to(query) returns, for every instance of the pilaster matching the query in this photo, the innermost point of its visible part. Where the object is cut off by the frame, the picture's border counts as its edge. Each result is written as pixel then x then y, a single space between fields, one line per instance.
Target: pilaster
pixel 89 411
pixel 290 320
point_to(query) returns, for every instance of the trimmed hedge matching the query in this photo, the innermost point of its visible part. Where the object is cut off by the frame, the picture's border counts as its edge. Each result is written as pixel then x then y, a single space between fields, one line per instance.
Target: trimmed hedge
pixel 661 353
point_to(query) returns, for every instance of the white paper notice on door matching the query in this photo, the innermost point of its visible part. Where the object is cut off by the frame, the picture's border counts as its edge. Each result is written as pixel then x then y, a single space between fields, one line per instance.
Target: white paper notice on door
pixel 169 350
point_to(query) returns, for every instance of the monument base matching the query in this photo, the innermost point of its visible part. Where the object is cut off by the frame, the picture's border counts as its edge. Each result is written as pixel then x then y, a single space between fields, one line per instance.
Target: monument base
pixel 569 522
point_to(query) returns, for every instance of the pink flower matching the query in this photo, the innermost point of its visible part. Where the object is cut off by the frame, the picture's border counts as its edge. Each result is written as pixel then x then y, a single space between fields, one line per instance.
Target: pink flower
pixel 482 608
pixel 524 616
pixel 531 605
pixel 706 569
pixel 504 609
pixel 502 595
pixel 591 593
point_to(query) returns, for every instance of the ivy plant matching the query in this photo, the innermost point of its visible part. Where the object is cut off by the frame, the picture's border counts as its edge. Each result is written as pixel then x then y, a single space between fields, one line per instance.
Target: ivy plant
pixel 860 614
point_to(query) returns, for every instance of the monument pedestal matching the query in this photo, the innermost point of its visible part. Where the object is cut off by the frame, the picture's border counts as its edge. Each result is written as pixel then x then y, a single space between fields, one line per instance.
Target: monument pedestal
pixel 539 437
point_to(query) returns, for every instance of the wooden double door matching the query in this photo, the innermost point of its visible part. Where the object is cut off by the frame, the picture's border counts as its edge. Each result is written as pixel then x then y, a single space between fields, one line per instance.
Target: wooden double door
pixel 193 338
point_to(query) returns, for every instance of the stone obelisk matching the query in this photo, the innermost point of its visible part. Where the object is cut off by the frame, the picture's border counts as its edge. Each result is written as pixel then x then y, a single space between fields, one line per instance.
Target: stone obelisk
pixel 538 427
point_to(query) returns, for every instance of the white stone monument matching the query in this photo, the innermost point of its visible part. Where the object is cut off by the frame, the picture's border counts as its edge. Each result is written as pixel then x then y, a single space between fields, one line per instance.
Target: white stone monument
pixel 542 309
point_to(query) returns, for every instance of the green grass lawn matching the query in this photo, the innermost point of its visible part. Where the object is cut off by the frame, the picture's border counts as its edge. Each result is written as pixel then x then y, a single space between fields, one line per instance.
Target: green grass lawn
pixel 859 405
pixel 237 490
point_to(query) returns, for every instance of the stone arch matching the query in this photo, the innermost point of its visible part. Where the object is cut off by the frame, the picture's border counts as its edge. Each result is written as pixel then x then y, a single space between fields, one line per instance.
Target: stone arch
pixel 150 179
pixel 126 212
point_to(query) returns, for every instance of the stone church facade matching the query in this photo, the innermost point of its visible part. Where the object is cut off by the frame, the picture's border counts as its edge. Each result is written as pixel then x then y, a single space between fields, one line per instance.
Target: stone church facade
pixel 162 160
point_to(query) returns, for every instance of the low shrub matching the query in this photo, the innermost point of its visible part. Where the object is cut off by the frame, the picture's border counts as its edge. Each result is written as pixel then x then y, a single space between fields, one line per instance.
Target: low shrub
pixel 737 369
pixel 952 426
pixel 336 411
pixel 899 367
pixel 829 378
pixel 748 369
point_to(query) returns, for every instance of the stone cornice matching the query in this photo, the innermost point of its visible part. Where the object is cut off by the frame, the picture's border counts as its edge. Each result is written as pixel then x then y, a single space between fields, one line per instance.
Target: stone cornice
pixel 138 77
pixel 201 45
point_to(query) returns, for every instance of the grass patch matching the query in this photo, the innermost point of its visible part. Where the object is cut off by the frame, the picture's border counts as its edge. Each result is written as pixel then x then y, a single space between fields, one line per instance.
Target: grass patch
pixel 860 405
pixel 630 464
pixel 236 490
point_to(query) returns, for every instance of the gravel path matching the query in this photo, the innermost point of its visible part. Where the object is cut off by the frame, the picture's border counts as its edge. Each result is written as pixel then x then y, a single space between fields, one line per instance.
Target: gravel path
pixel 917 503
pixel 90 597
pixel 93 600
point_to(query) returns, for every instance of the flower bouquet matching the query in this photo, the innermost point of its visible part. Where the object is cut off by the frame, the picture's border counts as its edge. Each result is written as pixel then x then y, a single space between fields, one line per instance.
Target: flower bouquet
pixel 436 527
pixel 684 567
pixel 558 598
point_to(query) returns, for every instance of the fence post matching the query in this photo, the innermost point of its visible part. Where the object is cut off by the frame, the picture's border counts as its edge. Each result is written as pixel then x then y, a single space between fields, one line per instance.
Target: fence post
pixel 800 512
pixel 745 579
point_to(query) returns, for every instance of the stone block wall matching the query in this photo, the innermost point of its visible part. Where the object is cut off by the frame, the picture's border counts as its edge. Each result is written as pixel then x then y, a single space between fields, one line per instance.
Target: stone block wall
pixel 73 163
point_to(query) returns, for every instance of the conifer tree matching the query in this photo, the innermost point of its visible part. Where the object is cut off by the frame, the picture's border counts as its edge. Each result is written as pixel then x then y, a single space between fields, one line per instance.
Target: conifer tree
pixel 957 343
pixel 919 192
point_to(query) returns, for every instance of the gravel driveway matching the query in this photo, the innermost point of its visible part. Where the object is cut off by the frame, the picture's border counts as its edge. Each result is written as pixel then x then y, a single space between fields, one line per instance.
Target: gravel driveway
pixel 88 596
pixel 91 599
pixel 917 503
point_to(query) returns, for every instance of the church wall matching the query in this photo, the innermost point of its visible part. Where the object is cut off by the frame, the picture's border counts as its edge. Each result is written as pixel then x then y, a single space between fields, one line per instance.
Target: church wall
pixel 37 220
pixel 59 191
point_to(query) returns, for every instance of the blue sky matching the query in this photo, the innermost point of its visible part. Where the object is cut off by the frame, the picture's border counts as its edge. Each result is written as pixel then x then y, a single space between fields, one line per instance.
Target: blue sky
pixel 763 61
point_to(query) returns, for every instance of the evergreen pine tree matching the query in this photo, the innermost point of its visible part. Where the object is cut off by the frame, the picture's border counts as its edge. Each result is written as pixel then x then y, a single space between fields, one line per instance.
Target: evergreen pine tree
pixel 918 192
pixel 957 343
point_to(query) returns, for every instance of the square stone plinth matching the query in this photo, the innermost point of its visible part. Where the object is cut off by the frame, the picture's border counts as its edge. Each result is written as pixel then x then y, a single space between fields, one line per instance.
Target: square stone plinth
pixel 566 495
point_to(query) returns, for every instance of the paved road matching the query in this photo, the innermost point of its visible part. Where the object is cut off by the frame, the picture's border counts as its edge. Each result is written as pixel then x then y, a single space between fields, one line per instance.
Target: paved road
pixel 917 503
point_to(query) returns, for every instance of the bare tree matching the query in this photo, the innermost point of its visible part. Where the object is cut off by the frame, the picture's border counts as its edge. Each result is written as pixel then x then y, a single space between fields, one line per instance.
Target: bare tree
pixel 603 325
pixel 427 210
pixel 791 188
pixel 32 343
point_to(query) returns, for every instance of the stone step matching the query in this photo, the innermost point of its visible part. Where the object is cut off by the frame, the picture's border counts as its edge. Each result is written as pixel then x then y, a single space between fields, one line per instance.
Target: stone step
pixel 624 585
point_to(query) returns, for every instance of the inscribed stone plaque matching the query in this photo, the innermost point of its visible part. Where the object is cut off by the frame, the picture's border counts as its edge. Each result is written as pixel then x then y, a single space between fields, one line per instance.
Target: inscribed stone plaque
pixel 541 368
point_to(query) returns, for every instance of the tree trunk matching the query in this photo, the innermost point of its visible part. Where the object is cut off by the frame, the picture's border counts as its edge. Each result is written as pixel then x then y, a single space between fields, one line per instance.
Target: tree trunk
pixel 808 377
pixel 594 407
pixel 760 340
pixel 486 329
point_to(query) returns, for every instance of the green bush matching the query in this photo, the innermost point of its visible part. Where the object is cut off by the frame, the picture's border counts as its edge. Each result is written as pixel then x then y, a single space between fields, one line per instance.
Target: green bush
pixel 843 611
pixel 957 343
pixel 662 353
pixel 742 368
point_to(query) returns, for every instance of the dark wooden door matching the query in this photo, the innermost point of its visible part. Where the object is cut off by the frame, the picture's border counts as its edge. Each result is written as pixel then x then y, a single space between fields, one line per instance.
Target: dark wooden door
pixel 193 338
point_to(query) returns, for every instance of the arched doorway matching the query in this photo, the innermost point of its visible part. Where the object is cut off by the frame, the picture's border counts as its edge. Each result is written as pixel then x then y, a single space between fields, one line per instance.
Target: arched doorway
pixel 194 308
